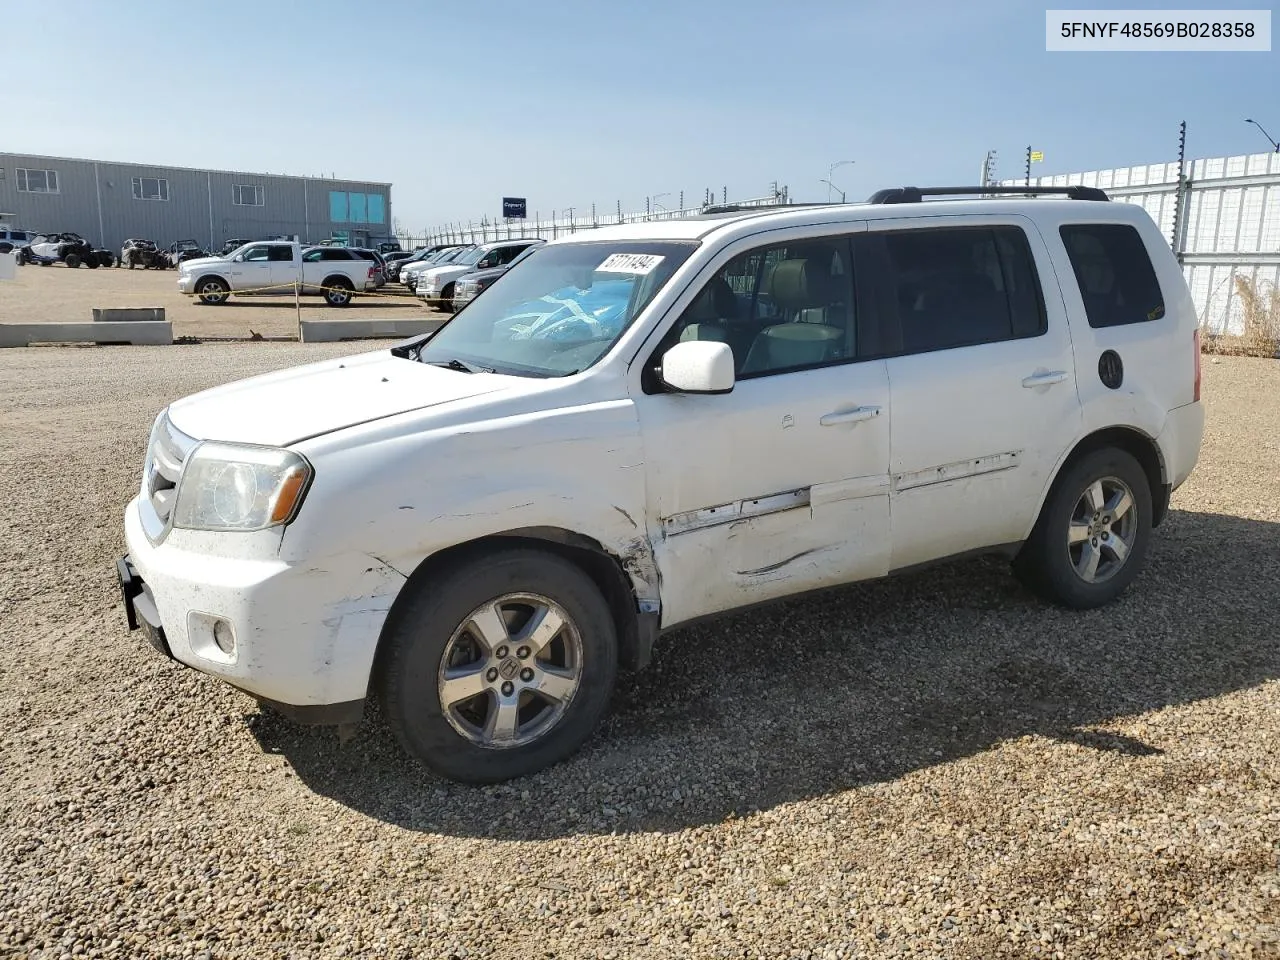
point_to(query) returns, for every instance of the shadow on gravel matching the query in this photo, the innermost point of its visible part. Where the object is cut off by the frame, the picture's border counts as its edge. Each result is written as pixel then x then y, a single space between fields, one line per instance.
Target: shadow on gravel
pixel 381 301
pixel 865 684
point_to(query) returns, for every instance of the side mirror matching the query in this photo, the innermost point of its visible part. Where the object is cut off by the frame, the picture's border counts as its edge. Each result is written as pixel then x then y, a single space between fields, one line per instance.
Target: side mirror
pixel 238 258
pixel 698 366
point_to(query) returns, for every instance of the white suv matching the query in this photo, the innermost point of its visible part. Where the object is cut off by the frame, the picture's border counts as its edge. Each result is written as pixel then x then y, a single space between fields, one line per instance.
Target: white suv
pixel 650 423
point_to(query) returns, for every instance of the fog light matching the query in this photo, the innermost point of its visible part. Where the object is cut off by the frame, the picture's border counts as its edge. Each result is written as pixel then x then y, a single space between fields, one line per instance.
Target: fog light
pixel 212 637
pixel 224 637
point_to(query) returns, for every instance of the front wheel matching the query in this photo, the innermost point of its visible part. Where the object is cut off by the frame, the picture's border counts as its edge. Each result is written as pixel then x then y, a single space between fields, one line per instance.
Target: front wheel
pixel 500 667
pixel 1092 535
pixel 213 291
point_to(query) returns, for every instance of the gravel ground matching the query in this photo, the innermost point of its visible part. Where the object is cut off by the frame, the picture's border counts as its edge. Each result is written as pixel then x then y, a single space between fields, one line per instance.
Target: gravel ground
pixel 930 766
pixel 56 294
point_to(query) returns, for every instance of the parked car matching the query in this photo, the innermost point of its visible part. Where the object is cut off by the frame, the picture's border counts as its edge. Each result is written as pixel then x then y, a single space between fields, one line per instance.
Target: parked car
pixel 433 252
pixel 662 421
pixel 185 250
pixel 271 268
pixel 470 285
pixel 374 257
pixel 12 239
pixel 70 249
pixel 388 246
pixel 143 253
pixel 394 259
pixel 410 272
pixel 435 284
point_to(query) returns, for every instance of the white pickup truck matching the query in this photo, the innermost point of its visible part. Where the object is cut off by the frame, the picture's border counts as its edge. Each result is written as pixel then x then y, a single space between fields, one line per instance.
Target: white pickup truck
pixel 272 268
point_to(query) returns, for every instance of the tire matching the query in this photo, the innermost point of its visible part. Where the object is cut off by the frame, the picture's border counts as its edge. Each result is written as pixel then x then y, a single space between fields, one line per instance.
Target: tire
pixel 213 291
pixel 435 619
pixel 338 292
pixel 1057 569
pixel 72 260
pixel 92 262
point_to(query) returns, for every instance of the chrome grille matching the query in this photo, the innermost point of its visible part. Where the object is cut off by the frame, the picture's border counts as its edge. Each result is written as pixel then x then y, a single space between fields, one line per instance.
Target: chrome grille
pixel 166 453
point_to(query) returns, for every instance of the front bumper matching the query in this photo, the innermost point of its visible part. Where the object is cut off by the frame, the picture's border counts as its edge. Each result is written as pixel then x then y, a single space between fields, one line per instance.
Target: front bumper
pixel 305 635
pixel 187 283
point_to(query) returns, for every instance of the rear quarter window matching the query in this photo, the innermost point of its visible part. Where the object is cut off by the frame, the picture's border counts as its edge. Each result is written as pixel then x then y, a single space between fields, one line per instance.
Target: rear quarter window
pixel 1113 270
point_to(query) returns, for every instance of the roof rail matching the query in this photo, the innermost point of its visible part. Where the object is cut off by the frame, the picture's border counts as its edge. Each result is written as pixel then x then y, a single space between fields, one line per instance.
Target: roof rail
pixel 916 194
pixel 752 207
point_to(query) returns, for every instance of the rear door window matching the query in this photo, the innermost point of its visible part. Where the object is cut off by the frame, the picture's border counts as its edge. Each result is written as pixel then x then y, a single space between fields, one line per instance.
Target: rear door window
pixel 963 286
pixel 1114 272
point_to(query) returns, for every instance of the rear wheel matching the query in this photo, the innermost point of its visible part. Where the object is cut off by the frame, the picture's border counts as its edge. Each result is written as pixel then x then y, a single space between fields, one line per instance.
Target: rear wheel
pixel 72 260
pixel 338 291
pixel 500 667
pixel 1092 535
pixel 213 290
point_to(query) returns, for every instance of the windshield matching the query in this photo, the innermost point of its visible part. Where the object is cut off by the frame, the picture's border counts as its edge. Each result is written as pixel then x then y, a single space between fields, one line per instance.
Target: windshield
pixel 559 310
pixel 472 255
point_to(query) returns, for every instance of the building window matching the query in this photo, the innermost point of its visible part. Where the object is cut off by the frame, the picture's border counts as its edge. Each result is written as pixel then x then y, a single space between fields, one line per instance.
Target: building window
pixel 347 207
pixel 37 181
pixel 150 188
pixel 246 195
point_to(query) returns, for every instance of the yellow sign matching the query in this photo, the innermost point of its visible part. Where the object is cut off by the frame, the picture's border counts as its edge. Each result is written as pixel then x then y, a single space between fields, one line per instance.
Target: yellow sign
pixel 1037 156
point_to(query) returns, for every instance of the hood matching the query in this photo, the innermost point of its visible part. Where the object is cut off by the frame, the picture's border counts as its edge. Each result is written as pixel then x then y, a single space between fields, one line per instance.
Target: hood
pixel 317 398
pixel 446 270
pixel 195 262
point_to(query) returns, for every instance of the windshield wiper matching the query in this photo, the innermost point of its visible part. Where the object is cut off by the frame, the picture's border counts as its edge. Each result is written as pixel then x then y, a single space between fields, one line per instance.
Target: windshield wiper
pixel 461 366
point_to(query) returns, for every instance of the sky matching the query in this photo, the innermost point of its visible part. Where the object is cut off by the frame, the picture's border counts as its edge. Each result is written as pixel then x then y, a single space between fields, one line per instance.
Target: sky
pixel 574 102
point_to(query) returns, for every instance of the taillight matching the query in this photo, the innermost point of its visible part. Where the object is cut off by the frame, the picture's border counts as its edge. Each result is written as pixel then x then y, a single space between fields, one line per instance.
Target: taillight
pixel 373 272
pixel 1196 398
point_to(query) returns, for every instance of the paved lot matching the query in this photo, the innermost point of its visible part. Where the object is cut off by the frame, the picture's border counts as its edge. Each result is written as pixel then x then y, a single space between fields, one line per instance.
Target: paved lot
pixel 932 766
pixel 56 294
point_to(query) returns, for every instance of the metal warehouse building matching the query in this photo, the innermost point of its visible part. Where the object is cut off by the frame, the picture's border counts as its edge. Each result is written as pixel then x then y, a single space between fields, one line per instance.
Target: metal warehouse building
pixel 109 202
pixel 1229 227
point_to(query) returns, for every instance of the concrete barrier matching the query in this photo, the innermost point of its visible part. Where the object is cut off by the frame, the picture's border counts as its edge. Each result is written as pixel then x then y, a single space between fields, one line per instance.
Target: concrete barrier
pixel 145 333
pixel 329 331
pixel 128 314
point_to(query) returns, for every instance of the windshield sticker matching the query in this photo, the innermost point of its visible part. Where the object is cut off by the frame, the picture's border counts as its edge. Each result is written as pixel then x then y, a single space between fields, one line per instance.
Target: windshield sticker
pixel 639 263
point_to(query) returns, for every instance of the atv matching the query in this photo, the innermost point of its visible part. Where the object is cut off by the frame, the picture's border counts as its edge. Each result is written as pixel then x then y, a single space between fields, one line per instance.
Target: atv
pixel 69 248
pixel 144 254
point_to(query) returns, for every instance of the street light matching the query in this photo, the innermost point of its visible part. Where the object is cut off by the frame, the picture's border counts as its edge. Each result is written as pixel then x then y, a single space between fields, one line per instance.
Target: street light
pixel 1264 133
pixel 830 173
pixel 831 186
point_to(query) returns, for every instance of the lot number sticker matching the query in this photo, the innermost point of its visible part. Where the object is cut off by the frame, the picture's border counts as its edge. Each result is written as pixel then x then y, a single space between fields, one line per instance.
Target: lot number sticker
pixel 640 263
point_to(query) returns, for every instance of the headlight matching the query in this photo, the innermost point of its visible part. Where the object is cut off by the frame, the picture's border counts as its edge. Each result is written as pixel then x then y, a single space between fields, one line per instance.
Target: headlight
pixel 228 486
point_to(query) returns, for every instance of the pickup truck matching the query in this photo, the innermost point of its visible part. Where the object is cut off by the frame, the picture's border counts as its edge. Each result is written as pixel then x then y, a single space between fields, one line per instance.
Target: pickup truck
pixel 272 268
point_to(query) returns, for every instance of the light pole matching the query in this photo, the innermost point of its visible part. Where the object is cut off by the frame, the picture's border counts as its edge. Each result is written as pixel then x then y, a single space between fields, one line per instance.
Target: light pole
pixel 1264 133
pixel 831 186
pixel 831 170
pixel 658 196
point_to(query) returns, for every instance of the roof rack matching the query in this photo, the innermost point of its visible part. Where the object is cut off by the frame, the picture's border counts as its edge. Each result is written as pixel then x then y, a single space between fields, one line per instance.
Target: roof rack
pixel 916 194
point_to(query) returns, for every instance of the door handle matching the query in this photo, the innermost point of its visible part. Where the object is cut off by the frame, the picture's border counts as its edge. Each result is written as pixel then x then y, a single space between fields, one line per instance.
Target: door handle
pixel 856 415
pixel 1044 379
